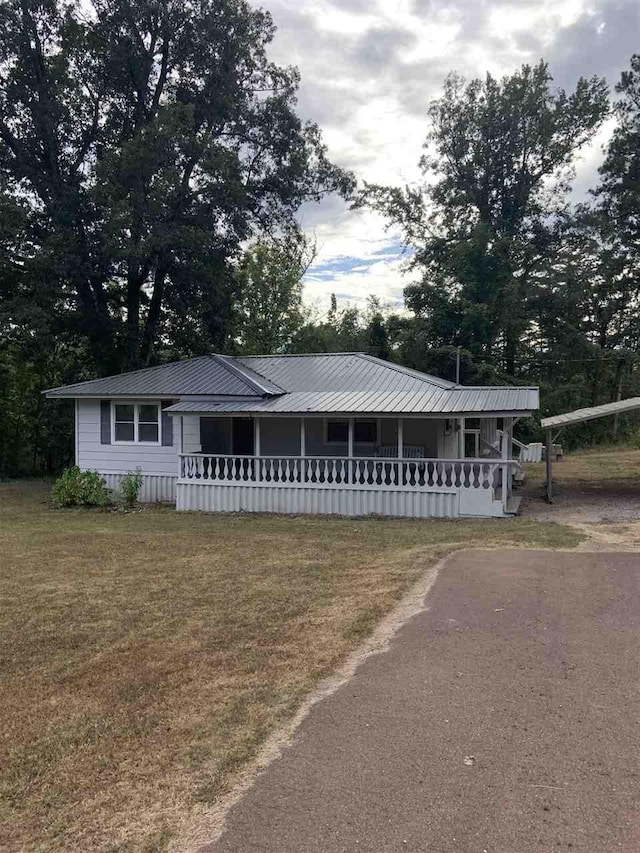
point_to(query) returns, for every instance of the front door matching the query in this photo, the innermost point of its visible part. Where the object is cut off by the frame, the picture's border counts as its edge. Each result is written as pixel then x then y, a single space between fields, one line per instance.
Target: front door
pixel 242 437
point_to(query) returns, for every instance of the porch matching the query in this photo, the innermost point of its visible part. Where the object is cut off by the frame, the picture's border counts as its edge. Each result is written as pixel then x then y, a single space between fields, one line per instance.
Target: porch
pixel 361 466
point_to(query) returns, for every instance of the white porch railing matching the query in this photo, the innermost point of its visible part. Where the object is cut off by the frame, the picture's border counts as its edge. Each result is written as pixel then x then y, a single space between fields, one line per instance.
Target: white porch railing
pixel 359 472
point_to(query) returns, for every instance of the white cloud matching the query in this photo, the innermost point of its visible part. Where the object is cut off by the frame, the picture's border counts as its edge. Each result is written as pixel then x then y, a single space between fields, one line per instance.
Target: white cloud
pixel 369 69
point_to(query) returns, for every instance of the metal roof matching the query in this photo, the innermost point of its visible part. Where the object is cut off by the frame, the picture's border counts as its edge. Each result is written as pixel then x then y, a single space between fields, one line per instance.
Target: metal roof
pixel 326 382
pixel 207 374
pixel 589 414
pixel 339 372
pixel 447 401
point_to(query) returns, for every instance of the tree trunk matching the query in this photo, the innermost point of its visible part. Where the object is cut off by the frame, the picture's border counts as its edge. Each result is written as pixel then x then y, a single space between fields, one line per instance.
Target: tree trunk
pixel 153 317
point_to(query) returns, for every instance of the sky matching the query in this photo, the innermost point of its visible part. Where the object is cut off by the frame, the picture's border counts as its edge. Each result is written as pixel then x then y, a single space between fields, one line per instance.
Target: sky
pixel 369 69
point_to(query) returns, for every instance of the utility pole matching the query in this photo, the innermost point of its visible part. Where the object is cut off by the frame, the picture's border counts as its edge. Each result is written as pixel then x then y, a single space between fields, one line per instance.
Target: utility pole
pixel 458 366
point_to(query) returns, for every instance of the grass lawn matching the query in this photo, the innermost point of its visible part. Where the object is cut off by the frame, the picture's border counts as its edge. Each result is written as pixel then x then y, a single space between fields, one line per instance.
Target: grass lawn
pixel 614 463
pixel 145 656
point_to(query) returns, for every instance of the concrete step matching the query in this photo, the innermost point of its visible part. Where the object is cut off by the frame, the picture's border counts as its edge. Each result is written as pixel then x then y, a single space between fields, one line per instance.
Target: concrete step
pixel 513 505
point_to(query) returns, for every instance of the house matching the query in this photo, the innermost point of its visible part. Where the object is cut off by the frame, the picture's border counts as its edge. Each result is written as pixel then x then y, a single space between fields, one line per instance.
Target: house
pixel 342 433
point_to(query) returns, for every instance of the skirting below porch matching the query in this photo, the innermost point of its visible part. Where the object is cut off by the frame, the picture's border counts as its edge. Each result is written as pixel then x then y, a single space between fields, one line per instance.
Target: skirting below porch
pixel 439 503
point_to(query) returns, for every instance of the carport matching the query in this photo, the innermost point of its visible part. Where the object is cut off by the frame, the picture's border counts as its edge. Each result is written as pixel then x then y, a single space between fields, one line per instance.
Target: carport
pixel 555 424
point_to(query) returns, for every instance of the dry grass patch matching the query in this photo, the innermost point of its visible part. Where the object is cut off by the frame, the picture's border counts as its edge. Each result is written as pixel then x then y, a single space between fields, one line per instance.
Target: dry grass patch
pixel 617 463
pixel 144 657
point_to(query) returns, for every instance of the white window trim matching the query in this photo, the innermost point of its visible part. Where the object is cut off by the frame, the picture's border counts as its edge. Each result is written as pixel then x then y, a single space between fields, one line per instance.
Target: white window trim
pixel 345 443
pixel 136 422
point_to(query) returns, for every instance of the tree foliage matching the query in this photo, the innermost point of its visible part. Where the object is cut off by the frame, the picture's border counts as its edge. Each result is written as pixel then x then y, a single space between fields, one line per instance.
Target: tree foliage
pixel 497 166
pixel 269 293
pixel 144 140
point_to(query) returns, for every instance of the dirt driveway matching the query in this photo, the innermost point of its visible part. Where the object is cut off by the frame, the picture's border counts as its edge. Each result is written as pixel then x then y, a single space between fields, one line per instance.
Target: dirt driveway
pixel 502 718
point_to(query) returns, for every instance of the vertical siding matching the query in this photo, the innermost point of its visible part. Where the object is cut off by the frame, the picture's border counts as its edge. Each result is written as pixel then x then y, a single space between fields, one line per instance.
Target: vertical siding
pixel 154 489
pixel 153 459
pixel 314 501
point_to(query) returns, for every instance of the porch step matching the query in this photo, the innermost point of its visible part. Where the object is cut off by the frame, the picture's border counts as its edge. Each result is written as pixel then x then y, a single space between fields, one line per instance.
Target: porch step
pixel 513 505
pixel 519 476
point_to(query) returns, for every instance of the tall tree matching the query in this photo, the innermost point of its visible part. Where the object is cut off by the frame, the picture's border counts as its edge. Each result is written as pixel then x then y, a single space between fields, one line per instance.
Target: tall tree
pixel 149 138
pixel 618 195
pixel 497 164
pixel 269 285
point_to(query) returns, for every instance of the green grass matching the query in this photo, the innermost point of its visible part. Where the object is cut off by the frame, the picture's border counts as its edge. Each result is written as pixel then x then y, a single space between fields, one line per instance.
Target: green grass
pixel 612 463
pixel 145 656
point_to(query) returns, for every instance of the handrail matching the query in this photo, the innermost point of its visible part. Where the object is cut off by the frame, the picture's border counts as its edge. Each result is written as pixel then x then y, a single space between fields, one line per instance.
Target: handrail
pixel 352 471
pixel 383 460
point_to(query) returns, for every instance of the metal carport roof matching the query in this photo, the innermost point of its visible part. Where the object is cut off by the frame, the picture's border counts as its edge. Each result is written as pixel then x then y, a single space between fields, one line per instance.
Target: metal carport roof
pixel 579 416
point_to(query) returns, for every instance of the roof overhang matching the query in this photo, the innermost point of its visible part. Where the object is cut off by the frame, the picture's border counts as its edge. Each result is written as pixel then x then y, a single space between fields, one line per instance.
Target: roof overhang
pixel 212 410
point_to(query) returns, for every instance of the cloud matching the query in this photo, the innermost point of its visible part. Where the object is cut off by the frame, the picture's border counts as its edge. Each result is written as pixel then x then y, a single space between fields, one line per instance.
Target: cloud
pixel 369 70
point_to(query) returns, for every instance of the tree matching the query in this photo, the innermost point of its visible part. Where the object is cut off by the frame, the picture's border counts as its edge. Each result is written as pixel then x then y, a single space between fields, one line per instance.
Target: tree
pixel 269 288
pixel 497 165
pixel 150 138
pixel 618 194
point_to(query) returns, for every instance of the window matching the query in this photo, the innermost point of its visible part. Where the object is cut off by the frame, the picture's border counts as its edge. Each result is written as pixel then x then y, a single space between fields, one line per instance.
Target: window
pixel 364 432
pixel 136 423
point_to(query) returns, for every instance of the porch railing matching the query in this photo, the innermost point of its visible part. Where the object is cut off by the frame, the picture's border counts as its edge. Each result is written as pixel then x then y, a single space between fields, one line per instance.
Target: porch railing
pixel 362 472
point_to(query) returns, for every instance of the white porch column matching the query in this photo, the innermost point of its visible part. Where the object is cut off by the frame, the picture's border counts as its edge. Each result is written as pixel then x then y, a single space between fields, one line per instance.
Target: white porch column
pixel 350 450
pixel 460 438
pixel 256 449
pixel 303 451
pixel 504 448
pixel 400 442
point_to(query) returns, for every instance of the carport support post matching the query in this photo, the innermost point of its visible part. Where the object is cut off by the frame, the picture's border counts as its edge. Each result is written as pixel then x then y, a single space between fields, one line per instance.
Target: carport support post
pixel 549 467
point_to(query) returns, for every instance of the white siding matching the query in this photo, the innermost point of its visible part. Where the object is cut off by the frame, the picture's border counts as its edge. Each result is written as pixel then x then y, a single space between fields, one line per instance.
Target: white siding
pixel 326 501
pixel 153 459
pixel 447 444
pixel 191 433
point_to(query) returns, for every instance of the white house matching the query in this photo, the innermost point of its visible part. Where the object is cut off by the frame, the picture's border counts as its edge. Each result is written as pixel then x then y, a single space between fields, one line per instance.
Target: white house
pixel 342 433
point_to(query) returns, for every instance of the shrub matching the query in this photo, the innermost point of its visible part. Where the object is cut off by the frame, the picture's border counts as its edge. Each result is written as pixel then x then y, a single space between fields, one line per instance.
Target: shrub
pixel 130 486
pixel 80 488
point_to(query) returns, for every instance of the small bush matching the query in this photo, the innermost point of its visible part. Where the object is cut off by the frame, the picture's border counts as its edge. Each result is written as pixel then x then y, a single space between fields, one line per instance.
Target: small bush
pixel 80 488
pixel 130 486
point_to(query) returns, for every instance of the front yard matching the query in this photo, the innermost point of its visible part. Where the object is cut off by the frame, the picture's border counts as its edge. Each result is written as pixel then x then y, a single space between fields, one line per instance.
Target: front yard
pixel 145 656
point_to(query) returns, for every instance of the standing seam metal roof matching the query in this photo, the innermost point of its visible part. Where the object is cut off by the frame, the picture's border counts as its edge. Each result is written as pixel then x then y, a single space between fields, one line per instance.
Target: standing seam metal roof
pixel 207 374
pixel 581 415
pixel 436 401
pixel 339 382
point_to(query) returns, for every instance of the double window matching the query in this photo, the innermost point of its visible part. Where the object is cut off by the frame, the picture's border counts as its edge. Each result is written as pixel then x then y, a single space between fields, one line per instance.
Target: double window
pixel 364 432
pixel 136 423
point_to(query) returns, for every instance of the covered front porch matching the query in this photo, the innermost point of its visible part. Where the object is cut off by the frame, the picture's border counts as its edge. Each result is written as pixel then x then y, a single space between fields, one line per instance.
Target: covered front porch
pixel 394 466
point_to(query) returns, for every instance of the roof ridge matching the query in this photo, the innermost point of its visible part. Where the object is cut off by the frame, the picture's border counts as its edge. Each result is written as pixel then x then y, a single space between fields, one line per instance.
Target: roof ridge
pixel 299 354
pixel 229 362
pixel 410 371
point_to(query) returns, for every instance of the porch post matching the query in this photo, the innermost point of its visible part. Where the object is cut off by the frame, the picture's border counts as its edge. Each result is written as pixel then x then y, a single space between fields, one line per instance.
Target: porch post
pixel 400 477
pixel 549 467
pixel 181 465
pixel 350 450
pixel 505 468
pixel 256 448
pixel 303 451
pixel 460 438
